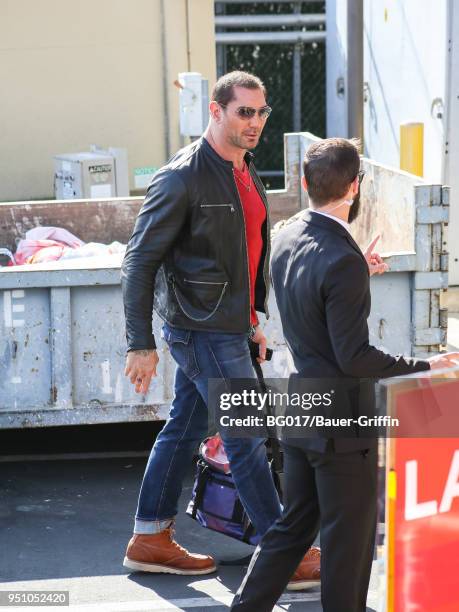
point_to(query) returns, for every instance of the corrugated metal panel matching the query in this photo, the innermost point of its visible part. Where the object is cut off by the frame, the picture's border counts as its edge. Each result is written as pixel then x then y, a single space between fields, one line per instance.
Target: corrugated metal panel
pixel 63 355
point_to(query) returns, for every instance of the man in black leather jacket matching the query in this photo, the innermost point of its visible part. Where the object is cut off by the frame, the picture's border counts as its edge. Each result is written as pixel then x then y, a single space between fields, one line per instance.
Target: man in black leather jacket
pixel 199 256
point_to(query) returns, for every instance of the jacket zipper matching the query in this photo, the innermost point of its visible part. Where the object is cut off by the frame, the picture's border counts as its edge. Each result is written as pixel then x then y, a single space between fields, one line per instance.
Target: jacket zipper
pixel 187 280
pixel 268 246
pixel 217 206
pixel 246 249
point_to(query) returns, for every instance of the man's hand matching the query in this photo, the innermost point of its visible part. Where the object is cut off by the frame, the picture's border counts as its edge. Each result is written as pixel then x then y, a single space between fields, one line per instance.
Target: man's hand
pixel 141 367
pixel 260 339
pixel 444 360
pixel 375 262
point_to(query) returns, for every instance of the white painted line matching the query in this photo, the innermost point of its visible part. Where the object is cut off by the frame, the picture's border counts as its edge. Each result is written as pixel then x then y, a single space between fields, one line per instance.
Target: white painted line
pixel 16 380
pixel 18 307
pixel 18 323
pixel 18 293
pixel 7 315
pixel 157 604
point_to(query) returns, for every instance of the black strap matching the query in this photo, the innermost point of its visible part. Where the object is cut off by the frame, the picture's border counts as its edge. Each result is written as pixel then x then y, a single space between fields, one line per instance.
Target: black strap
pixel 249 530
pixel 238 512
pixel 201 482
pixel 273 443
pixel 276 454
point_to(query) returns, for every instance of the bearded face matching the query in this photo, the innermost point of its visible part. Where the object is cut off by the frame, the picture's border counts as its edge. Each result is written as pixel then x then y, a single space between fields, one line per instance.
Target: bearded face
pixel 355 208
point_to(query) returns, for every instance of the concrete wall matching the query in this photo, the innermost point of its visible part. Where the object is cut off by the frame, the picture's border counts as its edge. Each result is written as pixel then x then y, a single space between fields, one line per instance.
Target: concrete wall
pixel 76 73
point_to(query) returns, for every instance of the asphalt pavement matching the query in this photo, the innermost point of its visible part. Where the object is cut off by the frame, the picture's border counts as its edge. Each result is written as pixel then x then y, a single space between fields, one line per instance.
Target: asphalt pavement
pixel 64 525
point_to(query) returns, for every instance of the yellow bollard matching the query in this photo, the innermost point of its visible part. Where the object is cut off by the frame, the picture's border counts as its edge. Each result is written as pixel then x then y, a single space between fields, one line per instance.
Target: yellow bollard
pixel 412 148
pixel 391 495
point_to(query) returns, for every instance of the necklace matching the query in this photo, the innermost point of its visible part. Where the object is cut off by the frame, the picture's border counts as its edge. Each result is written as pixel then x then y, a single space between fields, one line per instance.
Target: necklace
pixel 243 183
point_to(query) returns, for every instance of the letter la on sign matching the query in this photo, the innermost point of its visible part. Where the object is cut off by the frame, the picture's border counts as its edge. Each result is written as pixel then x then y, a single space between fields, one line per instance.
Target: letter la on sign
pixel 414 508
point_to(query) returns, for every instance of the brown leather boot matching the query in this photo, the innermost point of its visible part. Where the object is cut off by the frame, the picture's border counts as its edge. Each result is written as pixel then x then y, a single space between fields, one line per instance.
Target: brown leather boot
pixel 159 552
pixel 307 574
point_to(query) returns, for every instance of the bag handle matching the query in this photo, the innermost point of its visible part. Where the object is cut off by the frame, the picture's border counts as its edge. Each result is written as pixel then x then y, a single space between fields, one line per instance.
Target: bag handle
pixel 273 442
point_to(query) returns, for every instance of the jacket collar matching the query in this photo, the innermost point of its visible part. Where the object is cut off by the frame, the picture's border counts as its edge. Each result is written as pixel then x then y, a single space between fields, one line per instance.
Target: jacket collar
pixel 333 226
pixel 213 153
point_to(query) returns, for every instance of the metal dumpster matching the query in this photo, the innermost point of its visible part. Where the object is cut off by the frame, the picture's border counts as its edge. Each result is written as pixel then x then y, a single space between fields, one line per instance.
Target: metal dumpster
pixel 62 343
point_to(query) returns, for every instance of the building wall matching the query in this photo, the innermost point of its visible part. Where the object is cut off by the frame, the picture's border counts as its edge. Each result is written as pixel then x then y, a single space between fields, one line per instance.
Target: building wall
pixel 405 47
pixel 451 176
pixel 336 73
pixel 411 60
pixel 77 73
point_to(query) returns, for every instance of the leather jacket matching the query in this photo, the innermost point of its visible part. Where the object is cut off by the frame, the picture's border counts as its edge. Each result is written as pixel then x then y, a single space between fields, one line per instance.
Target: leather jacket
pixel 187 257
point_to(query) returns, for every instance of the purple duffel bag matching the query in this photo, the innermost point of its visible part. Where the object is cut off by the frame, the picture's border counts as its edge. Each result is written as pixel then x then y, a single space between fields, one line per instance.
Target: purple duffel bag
pixel 215 504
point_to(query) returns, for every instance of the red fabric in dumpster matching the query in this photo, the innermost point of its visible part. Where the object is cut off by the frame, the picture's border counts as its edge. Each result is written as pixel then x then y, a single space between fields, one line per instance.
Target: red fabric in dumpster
pixel 45 244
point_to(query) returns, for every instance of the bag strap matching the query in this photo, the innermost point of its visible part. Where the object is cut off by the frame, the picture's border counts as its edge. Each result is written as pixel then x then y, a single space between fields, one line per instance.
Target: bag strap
pixel 273 442
pixel 249 530
pixel 276 454
pixel 201 482
pixel 238 512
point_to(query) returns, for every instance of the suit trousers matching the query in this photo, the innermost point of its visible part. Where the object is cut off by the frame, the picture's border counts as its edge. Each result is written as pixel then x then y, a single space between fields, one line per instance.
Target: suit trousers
pixel 333 492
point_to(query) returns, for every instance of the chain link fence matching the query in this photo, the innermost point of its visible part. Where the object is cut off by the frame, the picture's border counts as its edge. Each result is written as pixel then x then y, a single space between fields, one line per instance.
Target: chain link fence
pixel 276 64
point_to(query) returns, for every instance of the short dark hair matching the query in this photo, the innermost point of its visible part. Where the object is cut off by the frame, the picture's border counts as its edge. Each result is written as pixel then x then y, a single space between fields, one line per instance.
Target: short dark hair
pixel 329 167
pixel 223 90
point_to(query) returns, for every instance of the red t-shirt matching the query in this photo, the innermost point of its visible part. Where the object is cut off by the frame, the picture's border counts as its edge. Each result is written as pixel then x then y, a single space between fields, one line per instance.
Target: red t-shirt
pixel 254 215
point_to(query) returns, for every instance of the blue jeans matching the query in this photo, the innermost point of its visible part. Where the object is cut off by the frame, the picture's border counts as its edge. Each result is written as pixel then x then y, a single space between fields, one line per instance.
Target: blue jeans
pixel 199 356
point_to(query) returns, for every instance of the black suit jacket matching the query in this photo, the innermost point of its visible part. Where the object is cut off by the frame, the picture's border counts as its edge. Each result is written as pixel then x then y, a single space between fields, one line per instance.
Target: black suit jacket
pixel 321 282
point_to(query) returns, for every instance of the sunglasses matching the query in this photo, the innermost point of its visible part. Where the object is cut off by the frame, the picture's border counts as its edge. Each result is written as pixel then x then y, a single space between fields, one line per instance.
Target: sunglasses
pixel 247 112
pixel 361 174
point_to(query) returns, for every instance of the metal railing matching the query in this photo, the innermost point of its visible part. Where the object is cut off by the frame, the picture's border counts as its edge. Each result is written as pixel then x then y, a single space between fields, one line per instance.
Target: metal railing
pixel 285 49
pixel 269 21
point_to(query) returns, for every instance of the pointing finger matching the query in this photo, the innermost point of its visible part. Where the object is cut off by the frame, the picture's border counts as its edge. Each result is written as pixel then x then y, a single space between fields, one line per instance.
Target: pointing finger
pixel 372 245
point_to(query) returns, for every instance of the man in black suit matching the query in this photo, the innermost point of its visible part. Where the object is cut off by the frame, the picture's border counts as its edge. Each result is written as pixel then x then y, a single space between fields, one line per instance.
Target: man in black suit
pixel 321 282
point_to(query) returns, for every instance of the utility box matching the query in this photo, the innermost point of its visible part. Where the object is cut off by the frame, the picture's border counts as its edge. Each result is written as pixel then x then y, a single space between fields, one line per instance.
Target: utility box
pixel 194 103
pixel 97 173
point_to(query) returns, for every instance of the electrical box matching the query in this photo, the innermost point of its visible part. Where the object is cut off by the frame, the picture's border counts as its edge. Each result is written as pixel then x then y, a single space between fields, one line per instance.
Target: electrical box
pixel 97 173
pixel 194 103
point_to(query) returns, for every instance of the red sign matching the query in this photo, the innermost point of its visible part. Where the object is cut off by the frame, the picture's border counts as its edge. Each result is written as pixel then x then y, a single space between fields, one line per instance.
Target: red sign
pixel 424 516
